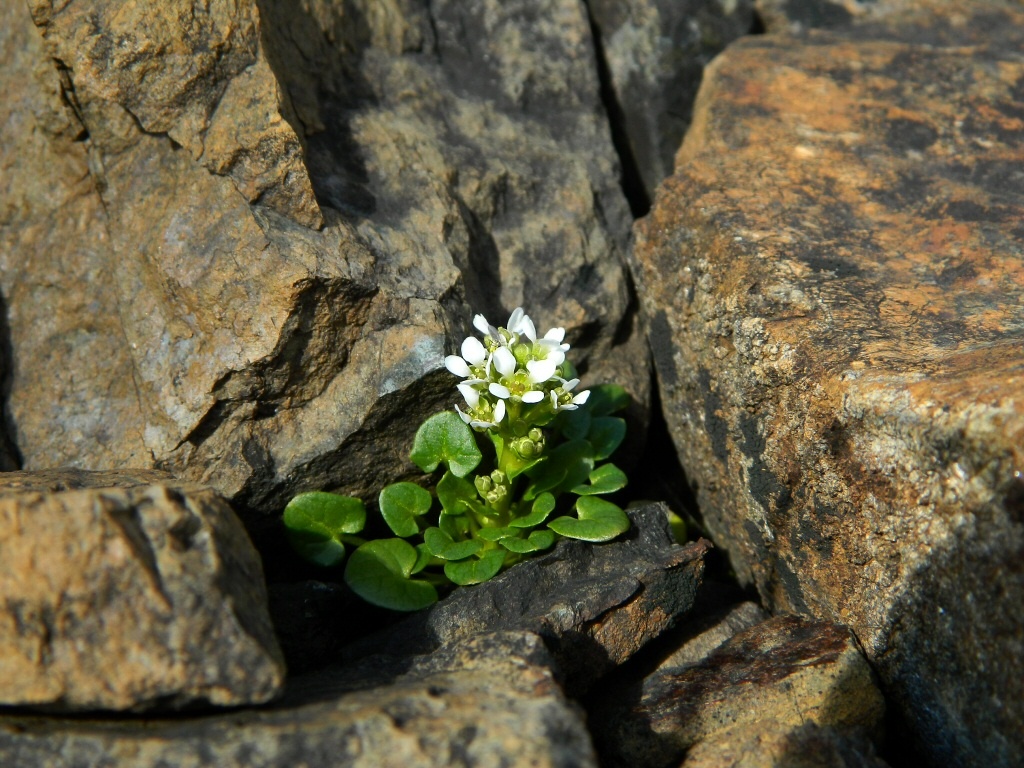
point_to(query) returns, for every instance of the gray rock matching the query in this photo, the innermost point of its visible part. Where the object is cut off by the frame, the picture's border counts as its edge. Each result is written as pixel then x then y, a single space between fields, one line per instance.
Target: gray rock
pixel 490 700
pixel 706 633
pixel 656 51
pixel 776 676
pixel 595 605
pixel 182 310
pixel 128 598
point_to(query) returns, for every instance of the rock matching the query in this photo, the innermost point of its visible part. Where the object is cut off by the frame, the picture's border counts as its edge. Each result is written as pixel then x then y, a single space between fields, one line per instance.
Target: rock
pixel 707 633
pixel 170 165
pixel 768 745
pixel 128 598
pixel 490 700
pixel 780 674
pixel 594 605
pixel 839 353
pixel 655 52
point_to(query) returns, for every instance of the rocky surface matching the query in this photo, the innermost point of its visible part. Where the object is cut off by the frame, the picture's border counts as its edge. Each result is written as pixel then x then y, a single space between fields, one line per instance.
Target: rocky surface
pixel 655 52
pixel 488 701
pixel 594 605
pixel 775 677
pixel 256 230
pixel 135 597
pixel 838 347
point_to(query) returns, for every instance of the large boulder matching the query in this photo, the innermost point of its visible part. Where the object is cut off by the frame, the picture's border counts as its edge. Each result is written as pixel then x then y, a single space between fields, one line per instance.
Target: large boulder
pixel 833 286
pixel 238 240
pixel 129 592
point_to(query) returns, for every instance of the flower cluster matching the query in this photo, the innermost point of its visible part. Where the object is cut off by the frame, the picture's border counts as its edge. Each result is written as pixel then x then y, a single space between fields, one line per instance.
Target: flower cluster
pixel 512 369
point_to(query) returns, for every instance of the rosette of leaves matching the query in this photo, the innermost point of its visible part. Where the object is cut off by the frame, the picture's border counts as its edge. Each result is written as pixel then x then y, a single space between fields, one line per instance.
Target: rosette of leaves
pixel 501 495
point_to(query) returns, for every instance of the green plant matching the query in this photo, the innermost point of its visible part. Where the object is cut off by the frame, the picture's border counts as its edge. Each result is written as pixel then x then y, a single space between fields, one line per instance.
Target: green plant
pixel 523 465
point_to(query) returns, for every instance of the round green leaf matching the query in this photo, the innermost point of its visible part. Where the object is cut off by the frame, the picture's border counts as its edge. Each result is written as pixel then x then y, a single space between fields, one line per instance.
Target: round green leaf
pixel 444 437
pixel 378 571
pixel 543 506
pixel 567 466
pixel 599 520
pixel 315 522
pixel 605 479
pixel 457 494
pixel 606 434
pixel 494 534
pixel 401 504
pixel 474 570
pixel 442 545
pixel 537 541
pixel 456 526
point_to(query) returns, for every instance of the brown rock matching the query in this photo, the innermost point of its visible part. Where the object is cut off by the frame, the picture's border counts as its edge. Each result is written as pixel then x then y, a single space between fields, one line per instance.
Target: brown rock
pixel 488 701
pixel 839 352
pixel 706 633
pixel 780 674
pixel 167 305
pixel 135 597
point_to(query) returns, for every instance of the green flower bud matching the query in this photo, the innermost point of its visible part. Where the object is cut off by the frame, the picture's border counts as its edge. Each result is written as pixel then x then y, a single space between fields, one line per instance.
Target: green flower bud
pixel 483 484
pixel 499 478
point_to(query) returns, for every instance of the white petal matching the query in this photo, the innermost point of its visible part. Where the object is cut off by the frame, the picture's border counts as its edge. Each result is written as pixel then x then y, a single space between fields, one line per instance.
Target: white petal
pixel 473 350
pixel 527 327
pixel 570 385
pixel 471 395
pixel 541 370
pixel 555 334
pixel 456 365
pixel 481 424
pixel 504 361
pixel 569 407
pixel 533 396
pixel 515 319
pixel 499 411
pixel 463 416
pixel 499 390
pixel 481 324
pixel 582 397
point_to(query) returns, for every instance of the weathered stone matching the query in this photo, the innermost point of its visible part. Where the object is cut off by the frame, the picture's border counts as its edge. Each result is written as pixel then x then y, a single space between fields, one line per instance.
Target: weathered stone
pixel 655 52
pixel 780 674
pixel 595 605
pixel 128 598
pixel 769 745
pixel 168 307
pixel 490 700
pixel 839 354
pixel 707 633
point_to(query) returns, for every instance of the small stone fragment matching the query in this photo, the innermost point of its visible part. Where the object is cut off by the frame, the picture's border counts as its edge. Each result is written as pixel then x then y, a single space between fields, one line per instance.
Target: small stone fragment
pixel 133 598
pixel 785 671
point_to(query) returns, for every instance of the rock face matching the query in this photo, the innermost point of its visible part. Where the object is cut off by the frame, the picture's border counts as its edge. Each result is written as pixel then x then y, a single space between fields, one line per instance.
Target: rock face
pixel 777 677
pixel 595 606
pixel 134 597
pixel 655 52
pixel 237 239
pixel 832 280
pixel 488 701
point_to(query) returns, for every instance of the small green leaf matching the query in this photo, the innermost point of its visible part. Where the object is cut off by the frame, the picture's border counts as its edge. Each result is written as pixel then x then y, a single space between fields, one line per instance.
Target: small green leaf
pixel 537 541
pixel 543 506
pixel 514 472
pixel 606 434
pixel 457 495
pixel 677 525
pixel 567 466
pixel 378 571
pixel 315 522
pixel 456 526
pixel 473 570
pixel 442 545
pixel 574 425
pixel 599 520
pixel 444 437
pixel 401 504
pixel 423 558
pixel 494 534
pixel 605 479
pixel 606 399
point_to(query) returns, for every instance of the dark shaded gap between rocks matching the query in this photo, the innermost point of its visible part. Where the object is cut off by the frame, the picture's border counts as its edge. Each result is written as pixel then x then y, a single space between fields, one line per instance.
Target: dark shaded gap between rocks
pixel 631 180
pixel 10 457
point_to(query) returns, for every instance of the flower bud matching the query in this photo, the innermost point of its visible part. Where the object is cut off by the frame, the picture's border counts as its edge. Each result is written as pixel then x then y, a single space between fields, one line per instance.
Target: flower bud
pixel 499 478
pixel 483 484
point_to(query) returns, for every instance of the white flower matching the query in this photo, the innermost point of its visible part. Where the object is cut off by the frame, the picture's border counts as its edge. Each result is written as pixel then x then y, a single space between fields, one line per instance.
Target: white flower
pixel 541 370
pixel 498 415
pixel 504 361
pixel 565 403
pixel 473 353
pixel 481 324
